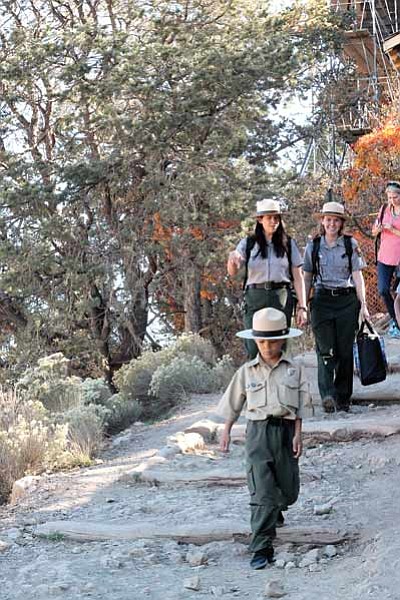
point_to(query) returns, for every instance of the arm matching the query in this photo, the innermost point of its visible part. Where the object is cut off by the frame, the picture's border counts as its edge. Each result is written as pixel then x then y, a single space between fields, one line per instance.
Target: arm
pixel 298 283
pixel 308 278
pixel 358 279
pixel 388 227
pixel 297 441
pixel 226 436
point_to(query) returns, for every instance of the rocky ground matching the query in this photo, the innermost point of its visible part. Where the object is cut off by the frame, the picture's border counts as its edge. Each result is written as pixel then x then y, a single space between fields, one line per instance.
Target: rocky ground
pixel 164 516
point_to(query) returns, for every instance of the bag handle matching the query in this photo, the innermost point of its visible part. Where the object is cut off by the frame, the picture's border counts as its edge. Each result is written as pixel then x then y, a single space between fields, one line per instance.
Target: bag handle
pixel 369 326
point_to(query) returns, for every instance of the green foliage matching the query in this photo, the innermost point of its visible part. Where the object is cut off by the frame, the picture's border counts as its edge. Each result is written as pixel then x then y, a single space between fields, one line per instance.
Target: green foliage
pixel 29 441
pixel 181 376
pixel 122 413
pixel 95 391
pixel 131 134
pixel 50 384
pixel 85 433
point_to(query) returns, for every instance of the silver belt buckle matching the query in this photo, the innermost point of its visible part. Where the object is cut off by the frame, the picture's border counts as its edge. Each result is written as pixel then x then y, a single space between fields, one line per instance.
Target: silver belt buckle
pixel 335 292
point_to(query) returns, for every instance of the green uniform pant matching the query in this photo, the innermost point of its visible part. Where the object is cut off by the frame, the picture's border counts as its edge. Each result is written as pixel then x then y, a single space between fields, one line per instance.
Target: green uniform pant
pixel 272 476
pixel 255 299
pixel 334 321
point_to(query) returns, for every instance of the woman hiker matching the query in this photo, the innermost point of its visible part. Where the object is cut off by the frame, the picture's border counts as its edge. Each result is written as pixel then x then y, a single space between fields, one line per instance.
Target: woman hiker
pixel 273 392
pixel 387 226
pixel 332 266
pixel 272 261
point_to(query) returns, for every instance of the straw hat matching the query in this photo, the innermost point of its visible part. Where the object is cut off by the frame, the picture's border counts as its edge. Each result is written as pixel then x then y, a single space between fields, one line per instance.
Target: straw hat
pixel 269 324
pixel 332 209
pixel 268 207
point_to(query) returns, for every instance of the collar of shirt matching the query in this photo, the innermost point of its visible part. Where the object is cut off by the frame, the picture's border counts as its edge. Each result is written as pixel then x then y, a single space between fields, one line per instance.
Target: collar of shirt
pixel 258 361
pixel 338 242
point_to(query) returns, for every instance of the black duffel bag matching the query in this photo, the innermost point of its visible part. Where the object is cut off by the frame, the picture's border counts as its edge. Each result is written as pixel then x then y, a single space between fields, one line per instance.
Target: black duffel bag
pixel 372 365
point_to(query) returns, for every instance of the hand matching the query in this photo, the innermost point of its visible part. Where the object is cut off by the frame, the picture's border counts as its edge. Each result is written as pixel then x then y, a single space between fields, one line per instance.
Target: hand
pixel 376 229
pixel 235 259
pixel 297 445
pixel 225 441
pixel 301 316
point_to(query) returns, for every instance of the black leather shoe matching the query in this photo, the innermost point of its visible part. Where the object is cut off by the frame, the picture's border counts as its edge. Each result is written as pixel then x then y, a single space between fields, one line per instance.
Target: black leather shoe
pixel 261 558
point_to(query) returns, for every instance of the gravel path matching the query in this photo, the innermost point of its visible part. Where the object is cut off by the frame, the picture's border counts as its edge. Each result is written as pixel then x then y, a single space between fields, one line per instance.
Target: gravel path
pixel 359 481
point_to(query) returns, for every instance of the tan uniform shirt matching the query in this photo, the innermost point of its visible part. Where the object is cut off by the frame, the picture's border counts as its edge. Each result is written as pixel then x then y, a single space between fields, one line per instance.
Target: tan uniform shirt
pixel 262 391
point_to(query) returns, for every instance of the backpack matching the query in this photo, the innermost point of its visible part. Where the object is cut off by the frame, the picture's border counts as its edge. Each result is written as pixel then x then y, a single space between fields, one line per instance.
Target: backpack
pixel 378 237
pixel 250 243
pixel 315 253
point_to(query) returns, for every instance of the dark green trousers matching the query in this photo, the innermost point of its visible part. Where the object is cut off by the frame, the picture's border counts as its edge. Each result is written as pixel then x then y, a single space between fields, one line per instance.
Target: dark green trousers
pixel 255 299
pixel 334 321
pixel 272 476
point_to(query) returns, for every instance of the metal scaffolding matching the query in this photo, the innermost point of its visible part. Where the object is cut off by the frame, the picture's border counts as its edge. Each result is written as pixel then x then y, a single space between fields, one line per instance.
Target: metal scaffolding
pixel 372 44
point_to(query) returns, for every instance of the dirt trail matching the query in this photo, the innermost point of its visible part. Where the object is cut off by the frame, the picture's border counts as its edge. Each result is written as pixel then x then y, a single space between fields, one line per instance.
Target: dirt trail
pixel 359 480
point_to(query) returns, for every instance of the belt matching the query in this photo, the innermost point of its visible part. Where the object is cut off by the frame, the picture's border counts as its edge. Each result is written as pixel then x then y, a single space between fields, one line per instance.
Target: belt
pixel 281 421
pixel 268 285
pixel 340 291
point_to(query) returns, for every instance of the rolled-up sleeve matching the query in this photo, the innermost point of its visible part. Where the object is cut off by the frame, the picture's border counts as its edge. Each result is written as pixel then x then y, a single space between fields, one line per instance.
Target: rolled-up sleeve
pixel 234 398
pixel 297 259
pixel 241 248
pixel 306 408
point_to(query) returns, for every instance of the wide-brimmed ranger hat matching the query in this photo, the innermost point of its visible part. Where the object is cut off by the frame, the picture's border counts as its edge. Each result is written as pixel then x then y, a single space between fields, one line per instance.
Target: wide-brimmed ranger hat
pixel 268 207
pixel 269 324
pixel 332 209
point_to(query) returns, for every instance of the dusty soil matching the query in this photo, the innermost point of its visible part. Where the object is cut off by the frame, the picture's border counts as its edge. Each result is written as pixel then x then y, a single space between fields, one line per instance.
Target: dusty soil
pixel 361 480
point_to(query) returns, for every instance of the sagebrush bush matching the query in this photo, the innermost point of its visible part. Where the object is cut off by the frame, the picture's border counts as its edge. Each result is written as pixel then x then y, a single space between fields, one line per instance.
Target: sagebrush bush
pixel 223 372
pixel 95 391
pixel 122 413
pixel 183 375
pixel 29 441
pixel 50 384
pixel 85 433
pixel 134 380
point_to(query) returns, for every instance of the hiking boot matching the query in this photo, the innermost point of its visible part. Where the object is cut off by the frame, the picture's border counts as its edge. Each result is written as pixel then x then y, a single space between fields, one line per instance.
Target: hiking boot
pixel 262 557
pixel 329 404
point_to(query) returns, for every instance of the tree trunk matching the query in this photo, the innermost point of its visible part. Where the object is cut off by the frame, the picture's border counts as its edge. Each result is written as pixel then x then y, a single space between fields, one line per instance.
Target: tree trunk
pixel 192 300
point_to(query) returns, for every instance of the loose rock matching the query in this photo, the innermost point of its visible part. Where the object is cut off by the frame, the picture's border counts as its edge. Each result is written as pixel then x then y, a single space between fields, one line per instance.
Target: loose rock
pixel 192 583
pixel 274 589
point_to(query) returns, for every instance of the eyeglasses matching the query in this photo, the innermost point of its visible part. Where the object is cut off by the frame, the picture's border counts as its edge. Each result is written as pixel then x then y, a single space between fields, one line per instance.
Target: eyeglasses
pixel 395 184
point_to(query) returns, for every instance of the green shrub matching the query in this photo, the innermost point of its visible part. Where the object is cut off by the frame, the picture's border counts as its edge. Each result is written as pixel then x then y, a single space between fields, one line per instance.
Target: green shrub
pixel 223 372
pixel 50 384
pixel 95 391
pixel 29 441
pixel 85 433
pixel 122 413
pixel 181 376
pixel 133 380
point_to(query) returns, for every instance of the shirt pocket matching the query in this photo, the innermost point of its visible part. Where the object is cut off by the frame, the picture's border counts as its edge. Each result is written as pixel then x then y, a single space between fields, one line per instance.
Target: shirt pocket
pixel 256 395
pixel 341 264
pixel 289 393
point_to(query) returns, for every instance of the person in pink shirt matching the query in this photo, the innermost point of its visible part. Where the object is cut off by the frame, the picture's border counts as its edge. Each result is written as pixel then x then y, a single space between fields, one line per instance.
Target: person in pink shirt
pixel 388 226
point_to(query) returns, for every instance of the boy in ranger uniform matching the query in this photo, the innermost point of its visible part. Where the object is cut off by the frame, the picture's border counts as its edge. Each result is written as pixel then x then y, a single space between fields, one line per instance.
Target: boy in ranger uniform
pixel 274 395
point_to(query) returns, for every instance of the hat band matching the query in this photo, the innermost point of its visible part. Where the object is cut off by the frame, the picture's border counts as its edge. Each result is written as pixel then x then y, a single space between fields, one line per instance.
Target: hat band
pixel 275 333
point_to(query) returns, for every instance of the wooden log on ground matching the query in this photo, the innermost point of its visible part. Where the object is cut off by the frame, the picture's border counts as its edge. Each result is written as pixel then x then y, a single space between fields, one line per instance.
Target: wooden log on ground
pixel 188 534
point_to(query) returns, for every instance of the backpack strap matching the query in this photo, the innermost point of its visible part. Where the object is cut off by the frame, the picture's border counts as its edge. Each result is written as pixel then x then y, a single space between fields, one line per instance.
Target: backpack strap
pixel 349 250
pixel 315 255
pixel 378 237
pixel 289 256
pixel 250 242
